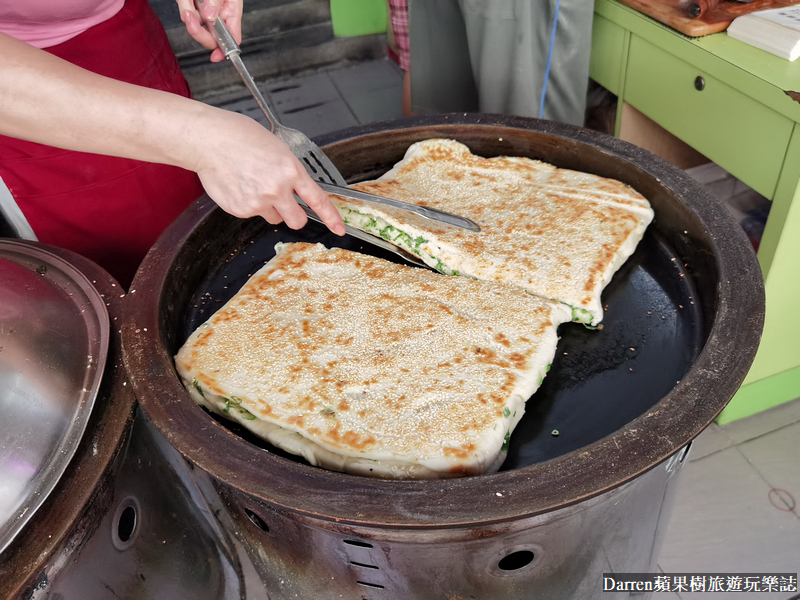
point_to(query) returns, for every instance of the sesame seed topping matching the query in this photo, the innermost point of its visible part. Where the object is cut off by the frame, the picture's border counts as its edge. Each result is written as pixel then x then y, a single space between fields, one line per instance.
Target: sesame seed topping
pixel 382 362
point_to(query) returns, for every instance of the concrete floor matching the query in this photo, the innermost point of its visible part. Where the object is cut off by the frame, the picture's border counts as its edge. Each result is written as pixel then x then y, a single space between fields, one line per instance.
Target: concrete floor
pixel 329 101
pixel 736 509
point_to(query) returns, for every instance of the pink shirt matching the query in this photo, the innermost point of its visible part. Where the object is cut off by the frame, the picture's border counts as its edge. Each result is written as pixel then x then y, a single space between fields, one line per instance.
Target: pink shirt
pixel 45 23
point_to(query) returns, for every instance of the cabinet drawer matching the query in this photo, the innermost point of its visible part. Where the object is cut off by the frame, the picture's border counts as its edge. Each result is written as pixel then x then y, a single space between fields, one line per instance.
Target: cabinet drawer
pixel 735 131
pixel 605 64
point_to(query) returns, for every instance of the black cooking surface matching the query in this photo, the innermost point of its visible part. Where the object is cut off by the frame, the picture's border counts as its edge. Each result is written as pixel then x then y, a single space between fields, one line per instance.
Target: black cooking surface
pixel 600 379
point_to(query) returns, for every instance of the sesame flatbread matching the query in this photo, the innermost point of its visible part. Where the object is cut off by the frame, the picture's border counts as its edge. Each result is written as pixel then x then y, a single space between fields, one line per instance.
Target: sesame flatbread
pixel 558 234
pixel 369 367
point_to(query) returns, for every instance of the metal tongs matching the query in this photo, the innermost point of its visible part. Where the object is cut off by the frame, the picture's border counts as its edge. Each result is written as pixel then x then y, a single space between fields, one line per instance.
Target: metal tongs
pixel 319 166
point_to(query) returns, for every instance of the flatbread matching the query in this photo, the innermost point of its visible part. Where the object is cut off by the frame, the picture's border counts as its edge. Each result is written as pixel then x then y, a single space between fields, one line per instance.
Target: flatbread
pixel 369 367
pixel 556 233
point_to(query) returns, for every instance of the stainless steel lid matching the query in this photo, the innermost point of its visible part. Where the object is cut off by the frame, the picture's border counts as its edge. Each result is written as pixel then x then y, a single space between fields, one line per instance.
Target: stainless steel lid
pixel 54 335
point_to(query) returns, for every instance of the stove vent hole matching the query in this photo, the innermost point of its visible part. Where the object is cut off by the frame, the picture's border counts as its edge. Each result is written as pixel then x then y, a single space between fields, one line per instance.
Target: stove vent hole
pixel 357 543
pixel 516 560
pixel 256 520
pixel 125 524
pixel 358 564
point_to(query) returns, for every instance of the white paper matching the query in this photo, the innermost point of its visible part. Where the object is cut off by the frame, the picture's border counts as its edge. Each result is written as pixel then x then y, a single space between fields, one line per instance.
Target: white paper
pixel 788 17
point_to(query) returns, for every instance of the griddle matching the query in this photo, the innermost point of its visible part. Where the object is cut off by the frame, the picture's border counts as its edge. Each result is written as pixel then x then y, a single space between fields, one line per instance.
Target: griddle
pixel 686 365
pixel 600 379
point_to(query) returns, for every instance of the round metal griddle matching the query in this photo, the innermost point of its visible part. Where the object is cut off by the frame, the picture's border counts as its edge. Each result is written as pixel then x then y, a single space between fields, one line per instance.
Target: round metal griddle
pixel 599 380
pixel 683 320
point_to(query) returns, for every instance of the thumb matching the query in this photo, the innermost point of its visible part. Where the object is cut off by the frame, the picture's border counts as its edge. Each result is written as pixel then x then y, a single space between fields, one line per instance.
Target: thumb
pixel 211 10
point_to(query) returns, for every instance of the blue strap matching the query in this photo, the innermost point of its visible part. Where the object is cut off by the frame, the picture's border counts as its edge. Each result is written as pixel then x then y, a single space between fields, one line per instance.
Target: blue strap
pixel 549 60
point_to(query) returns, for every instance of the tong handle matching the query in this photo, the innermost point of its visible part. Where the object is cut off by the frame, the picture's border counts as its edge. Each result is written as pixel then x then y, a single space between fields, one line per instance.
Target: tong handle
pixel 224 38
pixel 233 52
pixel 433 214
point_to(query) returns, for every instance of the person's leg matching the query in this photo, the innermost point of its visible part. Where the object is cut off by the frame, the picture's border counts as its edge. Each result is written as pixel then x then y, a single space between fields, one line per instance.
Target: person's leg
pixel 441 79
pixel 407 110
pixel 514 54
pixel 398 16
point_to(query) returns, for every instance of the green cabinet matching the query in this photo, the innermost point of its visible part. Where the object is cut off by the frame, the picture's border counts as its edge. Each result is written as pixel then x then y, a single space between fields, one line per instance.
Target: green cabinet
pixel 358 17
pixel 606 62
pixel 734 104
pixel 709 115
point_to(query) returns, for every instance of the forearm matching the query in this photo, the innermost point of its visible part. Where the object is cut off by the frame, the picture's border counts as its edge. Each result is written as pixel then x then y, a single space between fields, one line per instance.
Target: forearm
pixel 47 100
pixel 241 165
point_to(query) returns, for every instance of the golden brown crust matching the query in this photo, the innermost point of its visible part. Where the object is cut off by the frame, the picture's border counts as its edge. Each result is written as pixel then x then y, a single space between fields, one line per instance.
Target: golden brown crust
pixel 383 362
pixel 557 233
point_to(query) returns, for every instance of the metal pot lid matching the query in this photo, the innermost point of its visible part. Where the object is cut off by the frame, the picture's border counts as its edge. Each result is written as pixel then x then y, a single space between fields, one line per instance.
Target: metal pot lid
pixel 54 335
pixel 696 232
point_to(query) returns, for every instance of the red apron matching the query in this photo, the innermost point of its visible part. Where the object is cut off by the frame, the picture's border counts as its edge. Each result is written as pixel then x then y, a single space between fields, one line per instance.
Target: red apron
pixel 108 209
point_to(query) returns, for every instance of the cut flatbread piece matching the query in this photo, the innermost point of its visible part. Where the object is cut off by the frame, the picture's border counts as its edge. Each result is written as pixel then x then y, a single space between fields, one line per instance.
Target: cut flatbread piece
pixel 369 367
pixel 556 233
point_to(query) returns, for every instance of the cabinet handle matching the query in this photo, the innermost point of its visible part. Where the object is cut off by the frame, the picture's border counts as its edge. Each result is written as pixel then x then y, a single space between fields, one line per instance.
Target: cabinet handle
pixel 699 83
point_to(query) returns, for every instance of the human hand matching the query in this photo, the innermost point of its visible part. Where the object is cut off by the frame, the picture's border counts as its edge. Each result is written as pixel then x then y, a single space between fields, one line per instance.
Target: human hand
pixel 230 11
pixel 257 174
pixel 243 167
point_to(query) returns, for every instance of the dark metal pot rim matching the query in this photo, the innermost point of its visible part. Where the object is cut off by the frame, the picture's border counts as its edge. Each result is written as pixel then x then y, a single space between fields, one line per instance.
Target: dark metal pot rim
pixel 574 477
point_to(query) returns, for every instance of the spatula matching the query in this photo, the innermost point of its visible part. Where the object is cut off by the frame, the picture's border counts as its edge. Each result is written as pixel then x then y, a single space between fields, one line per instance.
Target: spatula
pixel 316 163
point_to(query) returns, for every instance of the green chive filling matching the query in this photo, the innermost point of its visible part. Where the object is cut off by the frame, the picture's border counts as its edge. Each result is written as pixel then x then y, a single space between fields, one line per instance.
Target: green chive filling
pixel 235 403
pixel 379 227
pixel 581 315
